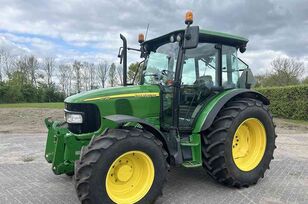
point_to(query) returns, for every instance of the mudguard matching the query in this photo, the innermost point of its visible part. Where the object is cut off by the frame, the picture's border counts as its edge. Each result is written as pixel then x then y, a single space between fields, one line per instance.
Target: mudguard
pixel 208 113
pixel 170 143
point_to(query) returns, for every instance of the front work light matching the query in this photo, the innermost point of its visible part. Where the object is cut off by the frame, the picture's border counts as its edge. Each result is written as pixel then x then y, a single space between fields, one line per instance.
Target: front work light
pixel 73 118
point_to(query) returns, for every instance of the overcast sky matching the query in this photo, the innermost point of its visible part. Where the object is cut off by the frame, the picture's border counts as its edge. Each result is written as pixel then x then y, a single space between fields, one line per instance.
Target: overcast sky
pixel 89 29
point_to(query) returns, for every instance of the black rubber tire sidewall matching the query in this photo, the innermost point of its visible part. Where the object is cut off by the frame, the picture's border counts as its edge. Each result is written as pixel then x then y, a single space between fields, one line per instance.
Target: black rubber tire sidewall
pixel 100 169
pixel 252 176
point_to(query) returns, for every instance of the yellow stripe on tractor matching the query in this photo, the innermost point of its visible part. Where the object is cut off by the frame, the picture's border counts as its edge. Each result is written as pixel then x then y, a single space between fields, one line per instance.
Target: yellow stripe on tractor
pixel 149 94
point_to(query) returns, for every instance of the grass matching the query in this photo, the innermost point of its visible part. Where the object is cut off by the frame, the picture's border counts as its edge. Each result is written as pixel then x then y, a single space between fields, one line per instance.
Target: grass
pixel 299 122
pixel 60 105
pixel 33 105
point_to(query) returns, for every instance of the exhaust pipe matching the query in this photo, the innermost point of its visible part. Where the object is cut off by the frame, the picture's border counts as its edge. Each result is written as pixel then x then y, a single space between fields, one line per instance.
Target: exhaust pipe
pixel 124 58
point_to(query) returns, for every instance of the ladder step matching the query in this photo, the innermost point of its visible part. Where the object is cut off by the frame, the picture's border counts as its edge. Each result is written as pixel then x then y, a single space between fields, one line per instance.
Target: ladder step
pixel 190 144
pixel 191 164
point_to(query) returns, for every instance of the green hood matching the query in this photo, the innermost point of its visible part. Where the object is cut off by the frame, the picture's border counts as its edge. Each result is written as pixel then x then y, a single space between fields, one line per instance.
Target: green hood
pixel 141 101
pixel 113 93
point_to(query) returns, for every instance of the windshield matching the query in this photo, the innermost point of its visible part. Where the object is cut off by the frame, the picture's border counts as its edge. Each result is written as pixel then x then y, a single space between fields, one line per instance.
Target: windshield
pixel 160 65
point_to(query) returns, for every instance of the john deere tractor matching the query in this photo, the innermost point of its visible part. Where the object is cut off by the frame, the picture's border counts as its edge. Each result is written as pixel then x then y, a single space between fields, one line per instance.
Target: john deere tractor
pixel 192 106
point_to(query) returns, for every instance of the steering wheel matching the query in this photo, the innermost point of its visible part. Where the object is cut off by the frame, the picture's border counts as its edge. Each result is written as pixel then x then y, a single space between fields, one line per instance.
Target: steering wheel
pixel 201 87
pixel 169 74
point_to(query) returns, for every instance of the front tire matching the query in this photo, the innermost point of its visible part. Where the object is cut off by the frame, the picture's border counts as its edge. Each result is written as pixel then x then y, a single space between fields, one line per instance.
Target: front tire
pixel 238 148
pixel 121 166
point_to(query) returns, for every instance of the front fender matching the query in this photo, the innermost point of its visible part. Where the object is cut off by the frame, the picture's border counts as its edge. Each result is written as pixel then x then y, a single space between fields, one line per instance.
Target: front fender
pixel 123 119
pixel 208 113
pixel 170 143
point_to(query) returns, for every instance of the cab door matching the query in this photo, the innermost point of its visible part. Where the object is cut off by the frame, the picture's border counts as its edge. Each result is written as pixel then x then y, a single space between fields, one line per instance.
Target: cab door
pixel 198 77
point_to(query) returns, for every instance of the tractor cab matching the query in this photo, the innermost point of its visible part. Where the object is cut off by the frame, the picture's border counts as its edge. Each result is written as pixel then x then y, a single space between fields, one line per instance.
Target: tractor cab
pixel 191 66
pixel 188 77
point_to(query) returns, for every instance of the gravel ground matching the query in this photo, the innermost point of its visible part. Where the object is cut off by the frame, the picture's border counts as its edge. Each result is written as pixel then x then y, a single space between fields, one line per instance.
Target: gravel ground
pixel 26 177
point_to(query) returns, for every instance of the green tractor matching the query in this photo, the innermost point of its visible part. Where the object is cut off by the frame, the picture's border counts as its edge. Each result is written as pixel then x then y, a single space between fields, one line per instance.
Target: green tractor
pixel 192 107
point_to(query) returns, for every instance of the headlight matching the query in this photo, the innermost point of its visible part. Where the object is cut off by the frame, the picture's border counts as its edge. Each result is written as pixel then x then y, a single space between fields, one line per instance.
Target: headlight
pixel 73 118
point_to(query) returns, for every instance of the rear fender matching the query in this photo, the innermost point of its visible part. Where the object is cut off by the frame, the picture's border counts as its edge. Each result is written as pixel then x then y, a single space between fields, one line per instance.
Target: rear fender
pixel 210 110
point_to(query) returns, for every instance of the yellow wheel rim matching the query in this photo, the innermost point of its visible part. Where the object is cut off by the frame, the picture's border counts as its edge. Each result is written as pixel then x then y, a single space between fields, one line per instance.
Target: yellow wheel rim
pixel 249 143
pixel 130 177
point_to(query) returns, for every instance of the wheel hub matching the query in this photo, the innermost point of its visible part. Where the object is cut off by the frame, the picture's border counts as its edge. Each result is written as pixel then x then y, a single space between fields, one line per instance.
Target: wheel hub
pixel 124 173
pixel 241 142
pixel 249 143
pixel 130 177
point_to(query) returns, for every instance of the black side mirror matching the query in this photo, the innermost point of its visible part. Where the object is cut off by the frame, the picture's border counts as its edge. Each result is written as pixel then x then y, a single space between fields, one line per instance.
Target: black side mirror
pixel 246 79
pixel 191 37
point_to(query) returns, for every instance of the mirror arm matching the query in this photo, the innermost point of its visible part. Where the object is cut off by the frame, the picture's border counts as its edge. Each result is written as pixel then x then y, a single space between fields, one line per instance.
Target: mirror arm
pixel 134 49
pixel 186 35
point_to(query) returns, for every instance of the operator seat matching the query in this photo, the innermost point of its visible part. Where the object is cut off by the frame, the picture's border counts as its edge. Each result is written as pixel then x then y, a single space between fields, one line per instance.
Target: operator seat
pixel 205 80
pixel 203 85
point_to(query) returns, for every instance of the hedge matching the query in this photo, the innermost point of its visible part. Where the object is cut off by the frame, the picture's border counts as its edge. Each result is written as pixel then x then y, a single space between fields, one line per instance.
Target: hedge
pixel 289 102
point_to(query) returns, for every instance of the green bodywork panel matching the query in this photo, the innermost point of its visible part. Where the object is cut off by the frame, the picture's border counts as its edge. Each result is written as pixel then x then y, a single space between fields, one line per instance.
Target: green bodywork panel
pixel 223 35
pixel 208 107
pixel 141 101
pixel 195 137
pixel 63 147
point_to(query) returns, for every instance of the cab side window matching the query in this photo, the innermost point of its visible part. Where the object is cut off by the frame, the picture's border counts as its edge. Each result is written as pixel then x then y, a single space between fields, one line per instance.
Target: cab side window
pixel 230 71
pixel 189 72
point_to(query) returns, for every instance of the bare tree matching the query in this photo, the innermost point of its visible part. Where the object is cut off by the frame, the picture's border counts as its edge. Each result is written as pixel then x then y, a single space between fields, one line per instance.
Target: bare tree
pixel 120 74
pixel 92 75
pixel 112 75
pixel 8 63
pixel 77 66
pixel 1 64
pixel 286 71
pixel 48 67
pixel 24 66
pixel 88 75
pixel 33 66
pixel 85 75
pixel 64 76
pixel 22 70
pixel 102 73
pixel 288 66
pixel 70 80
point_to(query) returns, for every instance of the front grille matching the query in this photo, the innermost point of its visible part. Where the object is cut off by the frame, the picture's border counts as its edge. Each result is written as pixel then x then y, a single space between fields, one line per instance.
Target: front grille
pixel 91 120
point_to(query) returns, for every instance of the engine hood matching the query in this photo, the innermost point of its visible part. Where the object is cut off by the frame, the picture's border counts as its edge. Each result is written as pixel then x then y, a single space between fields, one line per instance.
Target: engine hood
pixel 114 93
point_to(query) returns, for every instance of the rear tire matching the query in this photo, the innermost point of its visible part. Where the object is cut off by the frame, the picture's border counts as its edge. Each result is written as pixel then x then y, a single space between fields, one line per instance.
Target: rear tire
pixel 218 143
pixel 96 171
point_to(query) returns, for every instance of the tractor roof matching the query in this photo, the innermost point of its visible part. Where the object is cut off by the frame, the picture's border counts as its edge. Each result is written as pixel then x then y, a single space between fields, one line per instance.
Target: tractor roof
pixel 204 36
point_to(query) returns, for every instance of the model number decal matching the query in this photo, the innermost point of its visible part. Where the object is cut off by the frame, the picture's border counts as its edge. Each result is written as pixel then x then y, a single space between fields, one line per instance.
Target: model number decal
pixel 144 95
